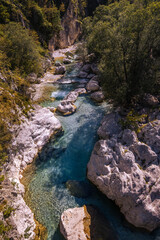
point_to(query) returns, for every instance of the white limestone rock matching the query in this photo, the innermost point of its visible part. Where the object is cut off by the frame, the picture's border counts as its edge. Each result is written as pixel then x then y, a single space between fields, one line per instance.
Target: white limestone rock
pixel 29 139
pixel 72 224
pixel 127 170
pixel 66 107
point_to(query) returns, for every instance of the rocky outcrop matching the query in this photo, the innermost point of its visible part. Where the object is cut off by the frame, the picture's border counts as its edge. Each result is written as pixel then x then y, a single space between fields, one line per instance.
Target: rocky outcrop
pixel 29 139
pixel 125 167
pixel 71 28
pixel 85 223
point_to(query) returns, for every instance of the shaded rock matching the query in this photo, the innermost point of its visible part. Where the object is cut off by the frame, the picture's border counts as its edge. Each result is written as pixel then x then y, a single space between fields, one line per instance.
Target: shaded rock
pixel 66 108
pixel 144 153
pixel 86 68
pixel 93 86
pixel 90 76
pixel 150 100
pixel 95 78
pixel 32 78
pixel 129 137
pixel 150 134
pixel 85 223
pixel 67 61
pixel 98 96
pixel 60 70
pixel 91 57
pixel 58 64
pixel 47 63
pixel 94 68
pixel 78 189
pixel 109 126
pixel 82 74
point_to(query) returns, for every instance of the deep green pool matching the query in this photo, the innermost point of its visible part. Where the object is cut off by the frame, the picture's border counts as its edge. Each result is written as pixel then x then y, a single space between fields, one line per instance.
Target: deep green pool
pixel 66 159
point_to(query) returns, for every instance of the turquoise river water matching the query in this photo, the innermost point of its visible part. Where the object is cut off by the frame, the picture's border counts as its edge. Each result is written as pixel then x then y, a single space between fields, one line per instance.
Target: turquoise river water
pixel 66 158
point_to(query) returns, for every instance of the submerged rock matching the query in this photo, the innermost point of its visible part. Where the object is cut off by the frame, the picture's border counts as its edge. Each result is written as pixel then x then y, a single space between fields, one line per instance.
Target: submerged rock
pixel 127 170
pixel 78 189
pixel 85 223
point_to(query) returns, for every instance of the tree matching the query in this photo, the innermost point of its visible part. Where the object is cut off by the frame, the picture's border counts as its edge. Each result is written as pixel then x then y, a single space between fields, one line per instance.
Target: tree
pixel 125 38
pixel 21 48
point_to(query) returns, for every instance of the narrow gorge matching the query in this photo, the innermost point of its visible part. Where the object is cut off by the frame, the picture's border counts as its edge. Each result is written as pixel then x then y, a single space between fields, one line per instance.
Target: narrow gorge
pixel 79 120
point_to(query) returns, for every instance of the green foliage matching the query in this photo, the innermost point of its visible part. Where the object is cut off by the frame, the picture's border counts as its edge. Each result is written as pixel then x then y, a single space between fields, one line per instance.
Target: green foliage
pixel 132 120
pixel 125 38
pixel 20 48
pixel 3 228
pixel 1 179
pixel 7 212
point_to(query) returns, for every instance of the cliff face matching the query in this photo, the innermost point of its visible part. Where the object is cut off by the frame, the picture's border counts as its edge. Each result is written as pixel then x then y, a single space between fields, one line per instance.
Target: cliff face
pixel 71 29
pixel 70 23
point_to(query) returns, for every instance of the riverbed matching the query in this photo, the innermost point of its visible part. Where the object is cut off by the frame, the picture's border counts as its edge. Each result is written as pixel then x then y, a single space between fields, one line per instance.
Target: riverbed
pixel 65 158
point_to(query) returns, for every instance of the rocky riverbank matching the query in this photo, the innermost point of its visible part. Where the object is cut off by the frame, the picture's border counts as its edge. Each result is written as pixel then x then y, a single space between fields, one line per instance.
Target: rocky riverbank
pixel 35 130
pixel 124 164
pixel 29 138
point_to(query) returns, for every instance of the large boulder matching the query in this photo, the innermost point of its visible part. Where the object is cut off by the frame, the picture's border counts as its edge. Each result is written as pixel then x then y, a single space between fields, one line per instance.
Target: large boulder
pixel 98 96
pixel 127 170
pixel 66 108
pixel 85 223
pixel 93 86
pixel 60 70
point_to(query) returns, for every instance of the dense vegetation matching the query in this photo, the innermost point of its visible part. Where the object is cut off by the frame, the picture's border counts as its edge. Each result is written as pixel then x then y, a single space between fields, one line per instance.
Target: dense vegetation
pixel 25 28
pixel 125 38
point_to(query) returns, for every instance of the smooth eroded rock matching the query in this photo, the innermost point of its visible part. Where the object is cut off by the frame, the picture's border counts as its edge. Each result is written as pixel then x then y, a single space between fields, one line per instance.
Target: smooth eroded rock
pixel 66 108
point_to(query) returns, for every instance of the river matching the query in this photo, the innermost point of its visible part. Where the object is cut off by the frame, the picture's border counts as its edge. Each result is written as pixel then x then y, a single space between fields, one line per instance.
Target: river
pixel 65 158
